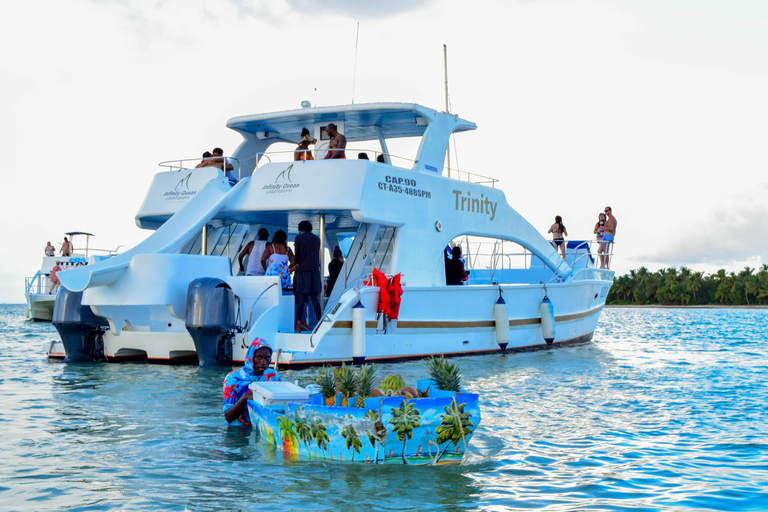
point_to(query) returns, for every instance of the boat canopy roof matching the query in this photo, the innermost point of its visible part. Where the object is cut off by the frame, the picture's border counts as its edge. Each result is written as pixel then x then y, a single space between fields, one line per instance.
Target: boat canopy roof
pixel 366 121
pixel 75 233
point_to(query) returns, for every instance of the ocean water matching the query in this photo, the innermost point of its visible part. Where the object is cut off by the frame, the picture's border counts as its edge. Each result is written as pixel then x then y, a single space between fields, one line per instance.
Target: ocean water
pixel 664 410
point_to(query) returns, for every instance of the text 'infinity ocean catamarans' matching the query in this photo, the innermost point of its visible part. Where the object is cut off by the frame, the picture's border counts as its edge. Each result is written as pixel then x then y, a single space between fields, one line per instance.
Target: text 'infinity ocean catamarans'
pixel 174 296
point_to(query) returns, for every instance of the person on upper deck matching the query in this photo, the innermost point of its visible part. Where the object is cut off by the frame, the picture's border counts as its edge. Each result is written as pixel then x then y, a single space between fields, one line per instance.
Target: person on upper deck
pixel 608 236
pixel 50 250
pixel 306 280
pixel 338 142
pixel 380 158
pixel 362 156
pixel 255 249
pixel 236 384
pixel 205 162
pixel 216 159
pixel 302 151
pixel 66 248
pixel 558 234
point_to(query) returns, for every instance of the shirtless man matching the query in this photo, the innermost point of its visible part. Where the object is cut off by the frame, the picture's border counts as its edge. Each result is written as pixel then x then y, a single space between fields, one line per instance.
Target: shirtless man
pixel 338 142
pixel 608 235
pixel 66 248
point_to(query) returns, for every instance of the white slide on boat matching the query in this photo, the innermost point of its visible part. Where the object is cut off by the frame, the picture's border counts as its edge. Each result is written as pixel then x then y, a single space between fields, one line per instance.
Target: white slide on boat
pixel 169 238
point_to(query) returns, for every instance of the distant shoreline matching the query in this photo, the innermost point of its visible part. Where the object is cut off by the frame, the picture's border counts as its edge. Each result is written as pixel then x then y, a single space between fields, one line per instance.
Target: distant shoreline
pixel 702 306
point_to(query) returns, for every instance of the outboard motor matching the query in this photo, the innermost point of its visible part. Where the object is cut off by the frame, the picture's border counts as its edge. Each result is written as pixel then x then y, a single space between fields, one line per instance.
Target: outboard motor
pixel 211 317
pixel 80 330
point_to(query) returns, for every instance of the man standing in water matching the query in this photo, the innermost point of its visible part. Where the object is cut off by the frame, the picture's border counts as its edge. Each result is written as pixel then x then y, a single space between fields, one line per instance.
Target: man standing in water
pixel 337 144
pixel 609 235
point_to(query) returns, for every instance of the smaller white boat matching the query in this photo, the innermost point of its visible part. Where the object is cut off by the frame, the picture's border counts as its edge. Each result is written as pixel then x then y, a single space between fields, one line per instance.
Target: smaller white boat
pixel 38 288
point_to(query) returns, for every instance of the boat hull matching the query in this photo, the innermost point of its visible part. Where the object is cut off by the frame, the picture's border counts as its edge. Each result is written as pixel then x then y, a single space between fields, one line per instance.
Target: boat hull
pixel 40 307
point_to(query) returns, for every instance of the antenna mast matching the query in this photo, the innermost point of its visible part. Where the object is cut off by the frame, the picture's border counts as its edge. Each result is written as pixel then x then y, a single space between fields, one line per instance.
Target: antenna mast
pixel 354 73
pixel 447 109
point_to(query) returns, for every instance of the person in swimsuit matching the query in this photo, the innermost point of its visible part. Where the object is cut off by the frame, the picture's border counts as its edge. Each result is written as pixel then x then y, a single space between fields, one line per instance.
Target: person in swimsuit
pixel 278 259
pixel 338 142
pixel 600 231
pixel 66 248
pixel 609 235
pixel 302 151
pixel 558 234
pixel 50 250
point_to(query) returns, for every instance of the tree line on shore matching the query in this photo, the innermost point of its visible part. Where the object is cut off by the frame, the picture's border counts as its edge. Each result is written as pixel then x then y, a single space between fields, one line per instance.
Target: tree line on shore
pixel 685 287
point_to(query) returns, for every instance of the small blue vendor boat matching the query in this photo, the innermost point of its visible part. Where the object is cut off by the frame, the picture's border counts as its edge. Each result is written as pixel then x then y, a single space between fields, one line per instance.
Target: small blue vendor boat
pixel 390 430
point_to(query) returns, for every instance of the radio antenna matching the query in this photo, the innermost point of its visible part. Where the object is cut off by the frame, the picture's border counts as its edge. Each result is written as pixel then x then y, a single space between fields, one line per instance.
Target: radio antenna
pixel 447 109
pixel 354 72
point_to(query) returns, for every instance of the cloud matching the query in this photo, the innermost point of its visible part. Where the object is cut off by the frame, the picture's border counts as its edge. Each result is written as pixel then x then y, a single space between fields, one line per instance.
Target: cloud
pixel 358 9
pixel 731 233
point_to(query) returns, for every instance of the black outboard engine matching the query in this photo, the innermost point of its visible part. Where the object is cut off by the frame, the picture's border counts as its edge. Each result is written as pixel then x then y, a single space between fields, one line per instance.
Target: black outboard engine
pixel 80 330
pixel 211 318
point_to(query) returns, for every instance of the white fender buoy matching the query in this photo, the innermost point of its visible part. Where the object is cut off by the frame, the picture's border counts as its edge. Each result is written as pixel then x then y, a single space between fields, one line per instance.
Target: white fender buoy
pixel 501 318
pixel 358 333
pixel 547 312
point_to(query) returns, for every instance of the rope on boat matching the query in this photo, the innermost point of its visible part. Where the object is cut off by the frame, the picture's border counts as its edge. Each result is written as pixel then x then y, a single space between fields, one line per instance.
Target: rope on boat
pixel 455 409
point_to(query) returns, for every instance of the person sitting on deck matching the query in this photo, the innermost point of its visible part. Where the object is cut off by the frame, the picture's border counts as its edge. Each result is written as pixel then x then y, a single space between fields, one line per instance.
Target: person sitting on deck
pixel 380 158
pixel 362 156
pixel 338 142
pixel 302 151
pixel 236 384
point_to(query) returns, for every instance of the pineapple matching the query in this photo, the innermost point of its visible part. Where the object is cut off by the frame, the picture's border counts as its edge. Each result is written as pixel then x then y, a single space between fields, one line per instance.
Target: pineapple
pixel 346 383
pixel 365 376
pixel 446 375
pixel 327 384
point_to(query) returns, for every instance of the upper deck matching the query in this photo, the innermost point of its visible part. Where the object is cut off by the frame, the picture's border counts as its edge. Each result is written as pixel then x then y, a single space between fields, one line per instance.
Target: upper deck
pixel 378 122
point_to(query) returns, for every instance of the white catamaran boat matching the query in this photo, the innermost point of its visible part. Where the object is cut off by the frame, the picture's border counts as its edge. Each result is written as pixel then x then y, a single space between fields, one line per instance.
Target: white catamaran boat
pixel 37 288
pixel 177 294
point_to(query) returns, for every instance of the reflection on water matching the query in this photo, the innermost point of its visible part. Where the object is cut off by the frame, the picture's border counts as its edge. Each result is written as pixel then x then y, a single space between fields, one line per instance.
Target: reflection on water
pixel 665 409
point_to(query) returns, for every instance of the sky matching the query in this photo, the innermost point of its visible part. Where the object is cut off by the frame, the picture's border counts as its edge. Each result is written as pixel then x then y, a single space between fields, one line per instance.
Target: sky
pixel 656 108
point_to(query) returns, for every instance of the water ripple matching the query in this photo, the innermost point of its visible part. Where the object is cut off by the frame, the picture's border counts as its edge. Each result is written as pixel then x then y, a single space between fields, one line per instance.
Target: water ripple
pixel 665 409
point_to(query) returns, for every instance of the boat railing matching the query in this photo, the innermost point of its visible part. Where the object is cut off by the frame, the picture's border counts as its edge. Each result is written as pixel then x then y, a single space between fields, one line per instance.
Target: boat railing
pixel 39 283
pixel 493 255
pixel 470 177
pixel 179 164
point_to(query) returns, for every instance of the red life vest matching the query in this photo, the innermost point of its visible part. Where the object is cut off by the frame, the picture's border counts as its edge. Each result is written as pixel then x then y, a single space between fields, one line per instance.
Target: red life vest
pixel 395 292
pixel 380 280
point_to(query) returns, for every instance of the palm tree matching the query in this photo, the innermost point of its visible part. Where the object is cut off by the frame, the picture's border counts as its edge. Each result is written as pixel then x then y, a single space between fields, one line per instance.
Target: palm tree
pixel 373 416
pixel 351 440
pixel 304 431
pixel 320 435
pixel 404 419
pixel 450 429
pixel 287 433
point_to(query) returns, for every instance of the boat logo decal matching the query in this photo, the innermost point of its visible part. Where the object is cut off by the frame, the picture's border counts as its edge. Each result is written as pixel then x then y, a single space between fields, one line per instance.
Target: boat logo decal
pixel 466 203
pixel 406 186
pixel 283 183
pixel 183 183
pixel 181 191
